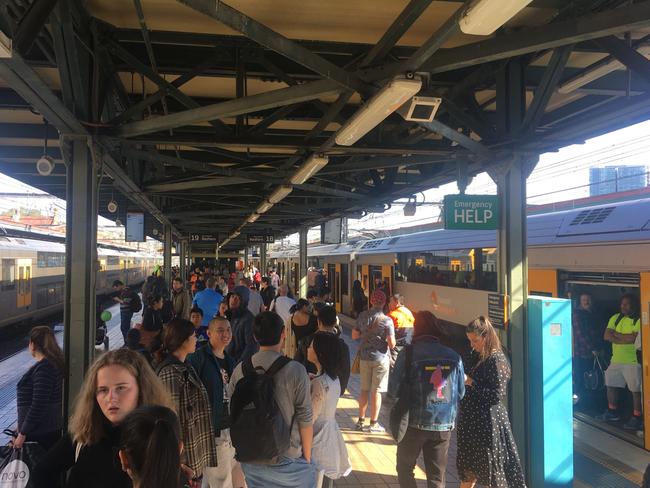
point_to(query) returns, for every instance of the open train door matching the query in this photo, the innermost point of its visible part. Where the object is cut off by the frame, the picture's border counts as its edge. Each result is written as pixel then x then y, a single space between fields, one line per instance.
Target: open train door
pixel 295 278
pixel 24 288
pixel 387 278
pixel 333 281
pixel 644 294
pixel 124 268
pixel 336 290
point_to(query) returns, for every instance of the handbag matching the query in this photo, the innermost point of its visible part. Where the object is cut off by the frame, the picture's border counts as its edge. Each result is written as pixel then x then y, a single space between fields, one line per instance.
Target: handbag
pixel 399 414
pixel 16 464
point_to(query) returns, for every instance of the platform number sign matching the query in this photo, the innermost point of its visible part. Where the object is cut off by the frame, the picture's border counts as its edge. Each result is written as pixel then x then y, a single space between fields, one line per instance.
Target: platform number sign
pixel 471 212
pixel 207 238
pixel 260 238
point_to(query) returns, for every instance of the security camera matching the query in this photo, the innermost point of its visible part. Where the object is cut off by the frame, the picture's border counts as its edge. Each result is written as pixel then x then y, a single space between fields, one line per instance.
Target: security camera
pixel 112 206
pixel 45 165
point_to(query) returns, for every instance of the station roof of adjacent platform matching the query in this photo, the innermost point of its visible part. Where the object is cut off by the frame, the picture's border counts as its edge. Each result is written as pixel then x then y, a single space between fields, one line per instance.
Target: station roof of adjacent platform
pixel 198 110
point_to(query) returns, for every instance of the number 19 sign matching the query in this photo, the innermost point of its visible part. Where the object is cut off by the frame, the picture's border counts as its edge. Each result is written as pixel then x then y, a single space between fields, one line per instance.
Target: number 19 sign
pixel 471 212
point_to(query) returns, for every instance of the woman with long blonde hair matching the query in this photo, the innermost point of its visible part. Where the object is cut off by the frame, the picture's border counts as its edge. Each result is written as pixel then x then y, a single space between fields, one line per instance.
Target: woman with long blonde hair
pixel 487 453
pixel 116 384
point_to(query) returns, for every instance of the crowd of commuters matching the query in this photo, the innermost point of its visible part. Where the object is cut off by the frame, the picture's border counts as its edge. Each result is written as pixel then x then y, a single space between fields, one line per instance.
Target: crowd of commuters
pixel 228 386
pixel 158 412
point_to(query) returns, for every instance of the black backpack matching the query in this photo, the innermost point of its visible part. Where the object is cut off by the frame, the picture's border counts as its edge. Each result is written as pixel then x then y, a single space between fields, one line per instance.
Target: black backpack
pixel 258 430
pixel 136 303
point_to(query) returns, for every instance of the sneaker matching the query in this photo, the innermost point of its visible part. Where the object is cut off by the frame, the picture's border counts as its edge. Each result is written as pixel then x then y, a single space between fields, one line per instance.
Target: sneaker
pixel 609 416
pixel 359 426
pixel 376 428
pixel 634 423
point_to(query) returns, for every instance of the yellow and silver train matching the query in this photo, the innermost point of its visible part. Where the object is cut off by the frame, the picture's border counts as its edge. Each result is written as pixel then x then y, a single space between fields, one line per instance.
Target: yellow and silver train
pixel 603 250
pixel 32 276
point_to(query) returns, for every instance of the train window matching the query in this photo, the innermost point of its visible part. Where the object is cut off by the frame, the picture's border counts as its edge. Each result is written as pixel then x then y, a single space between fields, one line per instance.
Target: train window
pixel 113 260
pixel 49 294
pixel 50 259
pixel 344 279
pixel 461 268
pixel 8 274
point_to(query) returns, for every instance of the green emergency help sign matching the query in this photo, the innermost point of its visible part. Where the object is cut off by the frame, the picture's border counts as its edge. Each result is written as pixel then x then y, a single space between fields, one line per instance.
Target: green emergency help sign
pixel 471 212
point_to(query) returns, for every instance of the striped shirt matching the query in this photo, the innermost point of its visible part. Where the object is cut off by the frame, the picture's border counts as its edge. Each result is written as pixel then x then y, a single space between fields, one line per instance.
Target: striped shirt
pixel 39 398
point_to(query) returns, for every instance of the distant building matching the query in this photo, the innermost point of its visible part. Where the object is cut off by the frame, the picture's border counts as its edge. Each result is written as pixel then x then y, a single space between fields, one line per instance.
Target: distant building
pixel 612 179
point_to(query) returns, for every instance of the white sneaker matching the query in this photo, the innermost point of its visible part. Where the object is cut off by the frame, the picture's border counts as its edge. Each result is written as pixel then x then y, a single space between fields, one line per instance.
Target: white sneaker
pixel 376 428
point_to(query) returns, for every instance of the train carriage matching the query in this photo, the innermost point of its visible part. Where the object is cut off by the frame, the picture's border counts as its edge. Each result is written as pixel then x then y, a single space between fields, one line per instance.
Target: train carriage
pixel 32 283
pixel 602 250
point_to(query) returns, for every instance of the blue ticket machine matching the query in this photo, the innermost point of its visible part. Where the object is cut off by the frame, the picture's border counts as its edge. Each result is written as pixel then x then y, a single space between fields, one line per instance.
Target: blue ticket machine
pixel 550 390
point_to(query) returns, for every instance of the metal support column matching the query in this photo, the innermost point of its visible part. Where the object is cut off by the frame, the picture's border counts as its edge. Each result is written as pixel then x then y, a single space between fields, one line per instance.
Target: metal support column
pixel 263 269
pixel 302 268
pixel 182 258
pixel 511 243
pixel 80 266
pixel 246 257
pixel 167 256
pixel 513 282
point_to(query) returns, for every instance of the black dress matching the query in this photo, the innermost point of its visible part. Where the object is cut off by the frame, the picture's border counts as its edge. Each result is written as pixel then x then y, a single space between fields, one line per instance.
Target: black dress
pixel 486 446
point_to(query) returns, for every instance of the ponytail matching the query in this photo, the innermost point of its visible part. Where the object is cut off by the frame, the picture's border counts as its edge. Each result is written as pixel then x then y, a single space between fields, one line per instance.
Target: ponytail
pixel 151 438
pixel 160 468
pixel 44 342
pixel 484 328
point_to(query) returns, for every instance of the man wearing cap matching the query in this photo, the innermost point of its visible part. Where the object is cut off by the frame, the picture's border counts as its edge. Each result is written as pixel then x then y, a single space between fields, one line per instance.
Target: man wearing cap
pixel 377 334
pixel 243 343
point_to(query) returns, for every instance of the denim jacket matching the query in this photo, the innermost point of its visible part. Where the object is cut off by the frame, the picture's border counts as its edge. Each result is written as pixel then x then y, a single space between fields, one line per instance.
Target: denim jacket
pixel 436 382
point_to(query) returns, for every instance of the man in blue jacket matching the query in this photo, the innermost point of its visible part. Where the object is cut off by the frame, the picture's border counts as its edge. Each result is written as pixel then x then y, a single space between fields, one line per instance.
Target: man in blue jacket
pixel 214 366
pixel 436 384
pixel 208 301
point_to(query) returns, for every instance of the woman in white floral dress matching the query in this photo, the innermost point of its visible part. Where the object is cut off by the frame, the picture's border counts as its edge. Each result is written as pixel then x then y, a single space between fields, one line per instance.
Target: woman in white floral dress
pixel 328 453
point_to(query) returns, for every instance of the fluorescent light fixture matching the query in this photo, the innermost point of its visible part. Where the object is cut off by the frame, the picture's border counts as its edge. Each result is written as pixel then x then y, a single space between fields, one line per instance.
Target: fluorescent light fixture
pixel 391 97
pixel 5 46
pixel 483 17
pixel 280 193
pixel 252 218
pixel 597 71
pixel 263 207
pixel 310 167
pixel 235 234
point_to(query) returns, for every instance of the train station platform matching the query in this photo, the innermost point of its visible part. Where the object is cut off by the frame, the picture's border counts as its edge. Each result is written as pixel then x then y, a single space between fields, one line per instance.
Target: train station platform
pixel 600 459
